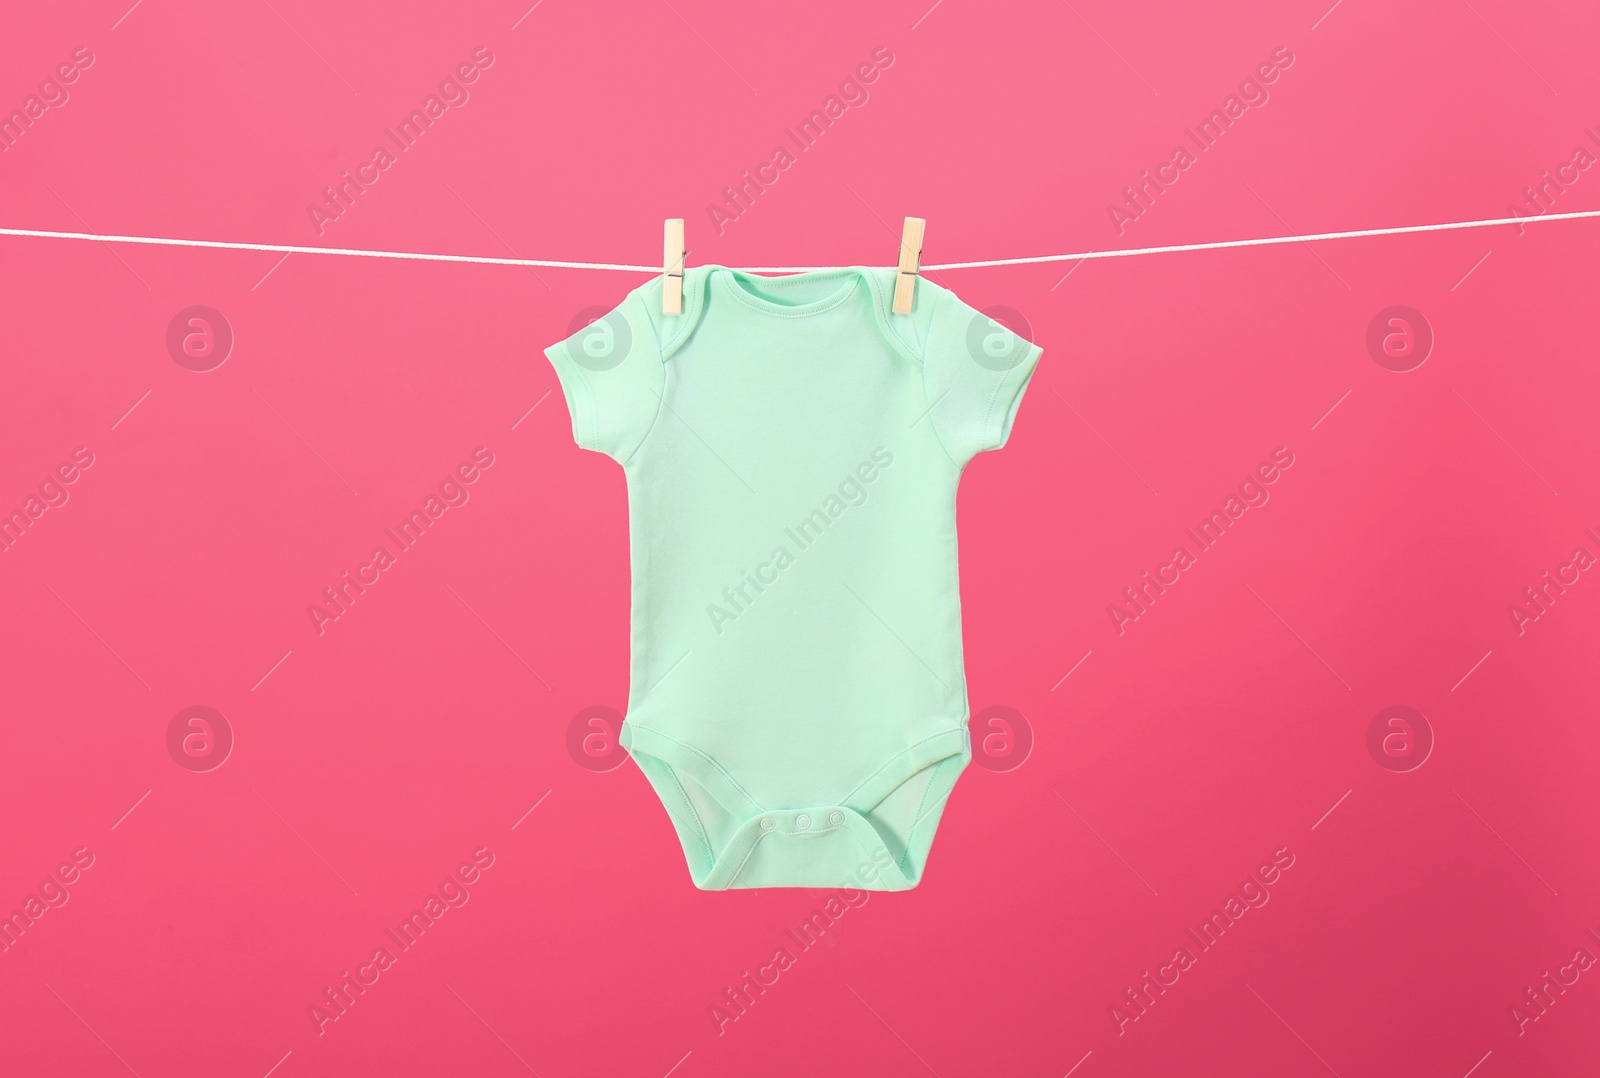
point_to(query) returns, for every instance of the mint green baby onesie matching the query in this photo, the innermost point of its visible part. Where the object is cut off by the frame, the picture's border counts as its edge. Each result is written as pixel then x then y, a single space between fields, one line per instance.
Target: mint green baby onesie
pixel 792 449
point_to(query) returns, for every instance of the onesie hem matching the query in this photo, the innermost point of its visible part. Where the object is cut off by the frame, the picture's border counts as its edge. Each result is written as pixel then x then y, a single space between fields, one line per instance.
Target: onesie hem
pixel 892 864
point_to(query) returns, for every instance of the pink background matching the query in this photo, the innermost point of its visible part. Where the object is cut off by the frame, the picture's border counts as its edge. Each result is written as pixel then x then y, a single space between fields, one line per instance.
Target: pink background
pixel 1229 721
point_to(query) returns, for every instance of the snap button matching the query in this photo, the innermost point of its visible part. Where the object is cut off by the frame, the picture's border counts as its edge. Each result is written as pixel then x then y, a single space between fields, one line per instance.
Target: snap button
pixel 766 823
pixel 836 818
pixel 802 821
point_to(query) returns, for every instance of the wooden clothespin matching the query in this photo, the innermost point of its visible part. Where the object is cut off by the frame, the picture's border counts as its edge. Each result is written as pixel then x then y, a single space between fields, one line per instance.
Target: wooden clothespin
pixel 672 268
pixel 905 281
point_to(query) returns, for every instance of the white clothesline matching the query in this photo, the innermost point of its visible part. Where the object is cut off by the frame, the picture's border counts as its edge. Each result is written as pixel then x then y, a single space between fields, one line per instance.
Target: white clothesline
pixel 628 268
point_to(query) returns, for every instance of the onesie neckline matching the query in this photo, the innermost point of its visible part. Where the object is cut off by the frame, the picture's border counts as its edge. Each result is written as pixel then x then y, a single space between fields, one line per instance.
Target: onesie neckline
pixel 736 283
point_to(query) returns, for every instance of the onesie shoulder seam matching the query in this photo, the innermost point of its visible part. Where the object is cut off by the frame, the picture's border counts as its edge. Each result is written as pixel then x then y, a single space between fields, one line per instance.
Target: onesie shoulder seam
pixel 694 285
pixel 886 322
pixel 927 347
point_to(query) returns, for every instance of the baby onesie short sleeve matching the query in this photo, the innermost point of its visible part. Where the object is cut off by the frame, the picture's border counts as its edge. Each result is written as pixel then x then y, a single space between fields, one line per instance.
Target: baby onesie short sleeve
pixel 613 377
pixel 975 371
